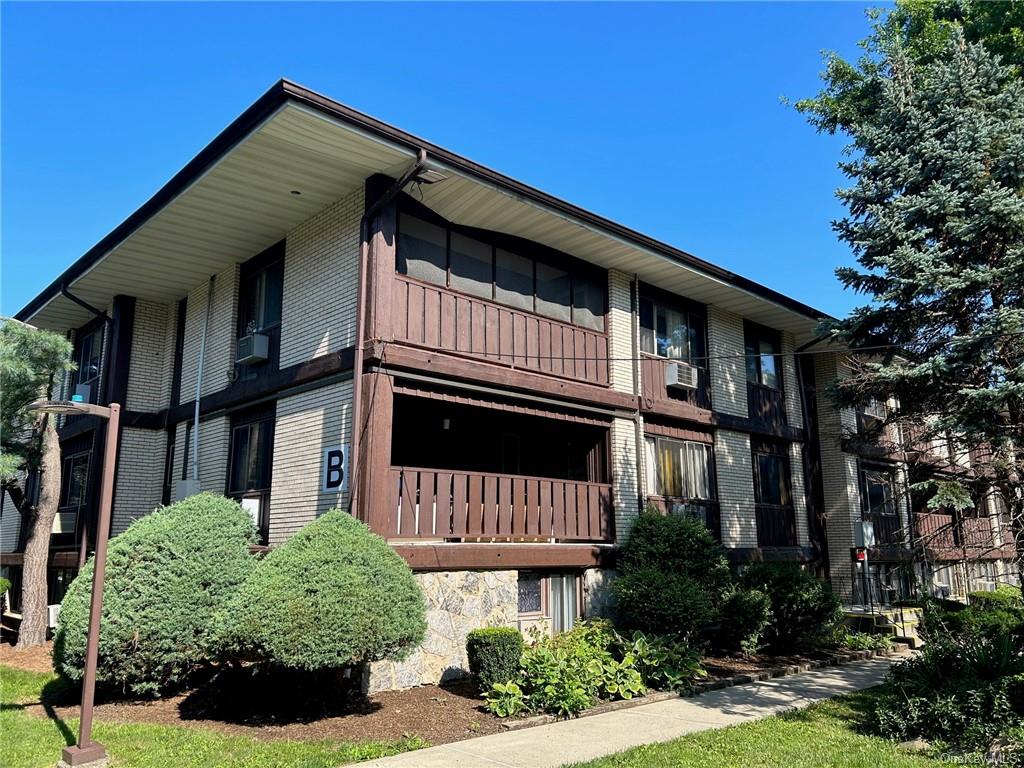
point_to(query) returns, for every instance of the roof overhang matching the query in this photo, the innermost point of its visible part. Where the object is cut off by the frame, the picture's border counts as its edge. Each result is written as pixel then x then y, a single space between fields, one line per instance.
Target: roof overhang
pixel 235 198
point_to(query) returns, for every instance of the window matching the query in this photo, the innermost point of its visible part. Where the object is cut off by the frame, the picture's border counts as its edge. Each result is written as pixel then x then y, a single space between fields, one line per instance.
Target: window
pixel 876 492
pixel 531 594
pixel 446 256
pixel 251 460
pixel 88 359
pixel 252 447
pixel 670 332
pixel 422 250
pixel 73 492
pixel 875 408
pixel 771 476
pixel 259 298
pixel 552 599
pixel 761 349
pixel 679 468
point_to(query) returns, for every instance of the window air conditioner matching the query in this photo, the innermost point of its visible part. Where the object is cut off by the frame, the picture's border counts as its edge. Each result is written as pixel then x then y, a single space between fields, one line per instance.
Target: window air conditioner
pixel 52 614
pixel 681 375
pixel 252 348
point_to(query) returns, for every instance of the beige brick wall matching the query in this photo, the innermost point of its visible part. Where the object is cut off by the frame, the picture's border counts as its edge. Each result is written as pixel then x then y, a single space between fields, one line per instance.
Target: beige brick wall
pixel 624 480
pixel 796 464
pixel 790 383
pixel 306 424
pixel 838 474
pixel 149 370
pixel 727 370
pixel 140 471
pixel 214 444
pixel 620 331
pixel 735 488
pixel 220 343
pixel 321 272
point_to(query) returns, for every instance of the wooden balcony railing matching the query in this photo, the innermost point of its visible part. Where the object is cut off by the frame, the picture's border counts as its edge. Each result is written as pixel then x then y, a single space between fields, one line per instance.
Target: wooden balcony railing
pixel 435 503
pixel 766 404
pixel 887 529
pixel 652 377
pixel 935 530
pixel 707 511
pixel 438 318
pixel 776 525
pixel 977 533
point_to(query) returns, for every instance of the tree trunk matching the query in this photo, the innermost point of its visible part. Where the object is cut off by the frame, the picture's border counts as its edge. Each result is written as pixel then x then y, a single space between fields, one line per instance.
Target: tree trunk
pixel 37 544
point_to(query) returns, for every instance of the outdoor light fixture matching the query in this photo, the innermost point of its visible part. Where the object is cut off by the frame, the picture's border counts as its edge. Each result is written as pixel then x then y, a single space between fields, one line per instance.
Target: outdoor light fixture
pixel 87 751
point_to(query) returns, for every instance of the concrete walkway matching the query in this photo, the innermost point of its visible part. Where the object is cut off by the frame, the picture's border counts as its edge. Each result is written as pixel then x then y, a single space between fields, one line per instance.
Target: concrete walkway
pixel 585 738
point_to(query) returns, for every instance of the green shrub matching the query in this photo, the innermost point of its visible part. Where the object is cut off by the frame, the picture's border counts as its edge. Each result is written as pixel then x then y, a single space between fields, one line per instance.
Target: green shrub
pixel 663 662
pixel 5 584
pixel 494 654
pixel 1004 596
pixel 963 690
pixel 743 618
pixel 168 576
pixel 803 608
pixel 863 641
pixel 676 544
pixel 333 595
pixel 986 617
pixel 663 603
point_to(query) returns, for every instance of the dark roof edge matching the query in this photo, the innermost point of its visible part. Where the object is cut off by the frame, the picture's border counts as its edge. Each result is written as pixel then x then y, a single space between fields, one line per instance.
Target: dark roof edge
pixel 285 90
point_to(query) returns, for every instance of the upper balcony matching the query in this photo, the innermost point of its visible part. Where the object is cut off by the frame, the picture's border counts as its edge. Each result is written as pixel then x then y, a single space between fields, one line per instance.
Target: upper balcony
pixel 496 298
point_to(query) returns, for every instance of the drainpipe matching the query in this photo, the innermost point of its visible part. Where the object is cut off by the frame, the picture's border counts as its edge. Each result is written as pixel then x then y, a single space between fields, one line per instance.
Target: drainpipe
pixel 357 359
pixel 199 379
pixel 638 427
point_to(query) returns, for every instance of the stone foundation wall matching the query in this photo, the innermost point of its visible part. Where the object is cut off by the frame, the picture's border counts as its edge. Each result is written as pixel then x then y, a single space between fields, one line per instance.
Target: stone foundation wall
pixel 598 600
pixel 457 602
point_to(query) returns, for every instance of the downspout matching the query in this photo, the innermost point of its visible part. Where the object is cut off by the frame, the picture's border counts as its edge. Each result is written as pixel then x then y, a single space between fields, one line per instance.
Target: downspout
pixel 199 380
pixel 357 357
pixel 638 427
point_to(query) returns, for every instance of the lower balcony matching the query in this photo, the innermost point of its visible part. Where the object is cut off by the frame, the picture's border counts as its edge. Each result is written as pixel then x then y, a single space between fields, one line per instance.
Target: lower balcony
pixel 776 525
pixel 457 505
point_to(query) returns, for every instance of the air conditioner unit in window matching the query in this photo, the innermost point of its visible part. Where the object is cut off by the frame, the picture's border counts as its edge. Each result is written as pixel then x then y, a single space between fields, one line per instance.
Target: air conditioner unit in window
pixel 680 375
pixel 52 614
pixel 252 348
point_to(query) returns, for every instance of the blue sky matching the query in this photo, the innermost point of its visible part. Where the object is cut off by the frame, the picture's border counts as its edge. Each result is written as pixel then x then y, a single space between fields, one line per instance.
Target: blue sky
pixel 664 117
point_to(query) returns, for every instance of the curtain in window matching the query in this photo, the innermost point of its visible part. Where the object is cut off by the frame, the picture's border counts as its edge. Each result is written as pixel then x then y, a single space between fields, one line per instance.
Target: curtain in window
pixel 678 468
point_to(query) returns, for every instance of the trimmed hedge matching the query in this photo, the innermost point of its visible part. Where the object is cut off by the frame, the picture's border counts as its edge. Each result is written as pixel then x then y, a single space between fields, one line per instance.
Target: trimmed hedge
pixel 663 603
pixel 333 595
pixel 803 608
pixel 676 544
pixel 168 576
pixel 494 654
pixel 1005 596
pixel 744 616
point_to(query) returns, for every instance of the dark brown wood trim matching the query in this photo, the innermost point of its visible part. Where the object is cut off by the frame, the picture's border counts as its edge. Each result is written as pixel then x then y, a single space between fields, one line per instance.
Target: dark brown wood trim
pixel 59 558
pixel 680 411
pixel 445 557
pixel 119 350
pixel 771 554
pixel 755 427
pixel 396 355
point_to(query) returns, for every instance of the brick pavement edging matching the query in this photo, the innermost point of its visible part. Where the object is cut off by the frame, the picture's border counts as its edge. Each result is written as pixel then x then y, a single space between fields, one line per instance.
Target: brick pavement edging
pixel 834 659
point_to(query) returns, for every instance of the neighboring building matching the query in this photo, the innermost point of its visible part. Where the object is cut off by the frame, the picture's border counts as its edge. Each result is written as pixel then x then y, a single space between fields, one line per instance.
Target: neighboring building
pixel 531 375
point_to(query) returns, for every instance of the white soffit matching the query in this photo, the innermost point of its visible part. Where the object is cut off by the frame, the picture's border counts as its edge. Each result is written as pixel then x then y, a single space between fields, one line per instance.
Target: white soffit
pixel 473 203
pixel 240 206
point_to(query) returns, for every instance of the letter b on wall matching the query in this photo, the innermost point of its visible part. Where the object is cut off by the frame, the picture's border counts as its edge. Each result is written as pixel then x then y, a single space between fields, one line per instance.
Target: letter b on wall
pixel 335 469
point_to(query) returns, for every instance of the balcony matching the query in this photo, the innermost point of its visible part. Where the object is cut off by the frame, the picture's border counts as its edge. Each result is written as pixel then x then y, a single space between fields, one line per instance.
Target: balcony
pixel 446 504
pixel 441 319
pixel 766 405
pixel 776 525
pixel 935 531
pixel 886 528
pixel 655 393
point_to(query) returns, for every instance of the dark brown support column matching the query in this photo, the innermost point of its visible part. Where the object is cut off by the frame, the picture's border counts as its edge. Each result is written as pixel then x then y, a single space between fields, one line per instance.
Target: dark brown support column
pixel 375 447
pixel 381 263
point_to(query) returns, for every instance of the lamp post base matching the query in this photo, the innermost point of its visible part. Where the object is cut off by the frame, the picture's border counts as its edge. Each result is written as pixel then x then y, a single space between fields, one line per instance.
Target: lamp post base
pixel 93 755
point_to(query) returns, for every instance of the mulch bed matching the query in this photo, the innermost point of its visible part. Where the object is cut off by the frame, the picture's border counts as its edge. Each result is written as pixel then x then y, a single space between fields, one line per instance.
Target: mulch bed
pixel 285 706
pixel 274 707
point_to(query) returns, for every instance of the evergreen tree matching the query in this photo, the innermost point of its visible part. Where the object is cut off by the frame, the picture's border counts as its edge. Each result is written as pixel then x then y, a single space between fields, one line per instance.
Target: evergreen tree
pixel 30 362
pixel 936 222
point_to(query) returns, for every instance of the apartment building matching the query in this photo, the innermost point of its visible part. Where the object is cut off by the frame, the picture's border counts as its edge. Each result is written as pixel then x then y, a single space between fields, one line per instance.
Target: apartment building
pixel 322 310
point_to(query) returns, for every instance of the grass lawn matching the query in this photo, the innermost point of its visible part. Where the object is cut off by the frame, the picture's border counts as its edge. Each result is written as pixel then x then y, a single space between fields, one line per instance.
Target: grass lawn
pixel 30 741
pixel 822 735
